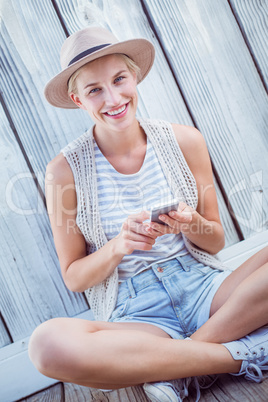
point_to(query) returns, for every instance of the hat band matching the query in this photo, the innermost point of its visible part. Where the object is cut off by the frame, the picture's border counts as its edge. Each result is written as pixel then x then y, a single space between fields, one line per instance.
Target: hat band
pixel 87 52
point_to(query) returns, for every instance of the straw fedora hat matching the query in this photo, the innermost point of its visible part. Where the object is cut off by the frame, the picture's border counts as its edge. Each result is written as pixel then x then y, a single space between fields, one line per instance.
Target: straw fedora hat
pixel 87 45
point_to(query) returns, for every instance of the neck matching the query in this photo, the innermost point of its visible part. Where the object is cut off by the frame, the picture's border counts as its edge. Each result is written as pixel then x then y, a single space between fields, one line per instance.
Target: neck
pixel 123 142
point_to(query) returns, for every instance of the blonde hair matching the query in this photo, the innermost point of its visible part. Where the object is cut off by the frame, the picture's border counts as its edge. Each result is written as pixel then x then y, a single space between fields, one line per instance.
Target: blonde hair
pixel 131 65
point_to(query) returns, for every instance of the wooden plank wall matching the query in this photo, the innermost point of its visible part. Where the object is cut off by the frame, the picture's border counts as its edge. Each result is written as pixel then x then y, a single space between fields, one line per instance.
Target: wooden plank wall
pixel 210 72
pixel 31 288
pixel 213 66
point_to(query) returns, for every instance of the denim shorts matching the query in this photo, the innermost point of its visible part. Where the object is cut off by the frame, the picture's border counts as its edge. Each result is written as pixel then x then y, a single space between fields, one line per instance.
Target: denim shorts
pixel 174 295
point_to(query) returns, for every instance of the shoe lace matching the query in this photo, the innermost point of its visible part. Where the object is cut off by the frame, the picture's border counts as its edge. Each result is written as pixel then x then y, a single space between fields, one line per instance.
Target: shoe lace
pixel 182 387
pixel 254 366
pixel 206 381
pixel 197 387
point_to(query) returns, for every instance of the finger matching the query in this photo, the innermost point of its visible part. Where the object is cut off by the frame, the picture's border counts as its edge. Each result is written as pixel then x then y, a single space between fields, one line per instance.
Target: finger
pixel 135 227
pixel 181 217
pixel 160 229
pixel 151 232
pixel 170 225
pixel 138 240
pixel 143 246
pixel 143 239
pixel 140 216
pixel 135 235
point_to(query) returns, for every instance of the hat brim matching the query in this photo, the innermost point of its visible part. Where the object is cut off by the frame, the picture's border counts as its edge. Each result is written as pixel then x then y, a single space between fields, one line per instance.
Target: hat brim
pixel 141 51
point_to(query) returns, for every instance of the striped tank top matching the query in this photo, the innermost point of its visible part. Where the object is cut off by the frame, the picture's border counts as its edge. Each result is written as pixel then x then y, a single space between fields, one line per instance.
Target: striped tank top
pixel 121 195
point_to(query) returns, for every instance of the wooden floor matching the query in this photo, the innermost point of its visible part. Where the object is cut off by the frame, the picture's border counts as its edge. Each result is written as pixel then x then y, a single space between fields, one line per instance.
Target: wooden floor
pixel 226 389
pixel 210 71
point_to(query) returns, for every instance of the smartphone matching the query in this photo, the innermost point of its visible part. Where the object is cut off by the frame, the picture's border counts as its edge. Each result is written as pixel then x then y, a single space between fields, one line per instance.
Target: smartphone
pixel 163 209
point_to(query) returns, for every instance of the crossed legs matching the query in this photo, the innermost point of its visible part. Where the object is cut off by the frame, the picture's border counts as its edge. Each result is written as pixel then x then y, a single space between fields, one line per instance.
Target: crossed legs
pixel 241 304
pixel 115 355
pixel 108 355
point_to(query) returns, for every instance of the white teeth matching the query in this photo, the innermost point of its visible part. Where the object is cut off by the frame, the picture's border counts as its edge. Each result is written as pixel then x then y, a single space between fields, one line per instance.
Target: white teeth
pixel 115 112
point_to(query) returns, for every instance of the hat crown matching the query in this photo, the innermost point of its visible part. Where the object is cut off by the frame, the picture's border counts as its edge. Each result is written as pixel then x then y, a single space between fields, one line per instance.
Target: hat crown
pixel 83 40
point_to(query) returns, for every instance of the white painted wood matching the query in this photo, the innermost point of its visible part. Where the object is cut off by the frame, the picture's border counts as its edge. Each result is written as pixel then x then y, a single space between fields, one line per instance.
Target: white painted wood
pixel 159 94
pixel 4 337
pixel 18 376
pixel 238 253
pixel 31 286
pixel 221 86
pixel 31 40
pixel 252 16
pixel 19 379
pixel 36 61
pixel 225 95
pixel 231 236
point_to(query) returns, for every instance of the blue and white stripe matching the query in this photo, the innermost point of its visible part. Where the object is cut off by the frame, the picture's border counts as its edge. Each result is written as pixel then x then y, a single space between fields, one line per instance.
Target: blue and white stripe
pixel 121 195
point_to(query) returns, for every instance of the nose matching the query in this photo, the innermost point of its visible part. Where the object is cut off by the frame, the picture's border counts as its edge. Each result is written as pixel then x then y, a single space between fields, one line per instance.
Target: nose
pixel 112 97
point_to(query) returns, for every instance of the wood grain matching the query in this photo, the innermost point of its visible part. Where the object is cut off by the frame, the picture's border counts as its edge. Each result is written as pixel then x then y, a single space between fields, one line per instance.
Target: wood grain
pixel 52 394
pixel 31 287
pixel 226 389
pixel 252 17
pixel 42 127
pixel 226 96
pixel 159 96
pixel 215 85
pixel 4 336
pixel 31 40
pixel 74 392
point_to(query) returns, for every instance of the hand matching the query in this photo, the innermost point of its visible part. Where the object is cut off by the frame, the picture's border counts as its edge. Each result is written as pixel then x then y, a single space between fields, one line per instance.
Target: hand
pixel 175 222
pixel 134 236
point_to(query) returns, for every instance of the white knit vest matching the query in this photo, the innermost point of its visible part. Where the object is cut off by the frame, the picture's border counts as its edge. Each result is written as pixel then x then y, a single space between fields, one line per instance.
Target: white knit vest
pixel 80 156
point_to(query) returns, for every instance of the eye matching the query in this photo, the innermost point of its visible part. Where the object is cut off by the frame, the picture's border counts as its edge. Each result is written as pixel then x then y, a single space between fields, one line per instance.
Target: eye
pixel 118 79
pixel 94 91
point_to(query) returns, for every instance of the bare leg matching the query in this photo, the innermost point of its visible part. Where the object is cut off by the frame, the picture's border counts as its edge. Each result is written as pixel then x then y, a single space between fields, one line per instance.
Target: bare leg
pixel 105 355
pixel 241 303
pixel 113 355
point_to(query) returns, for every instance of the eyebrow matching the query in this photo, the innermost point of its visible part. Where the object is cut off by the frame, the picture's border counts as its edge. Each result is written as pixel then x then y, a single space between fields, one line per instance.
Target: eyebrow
pixel 93 84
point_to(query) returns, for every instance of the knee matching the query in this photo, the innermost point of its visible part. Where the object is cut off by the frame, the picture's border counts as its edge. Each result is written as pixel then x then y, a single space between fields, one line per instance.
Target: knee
pixel 54 341
pixel 43 349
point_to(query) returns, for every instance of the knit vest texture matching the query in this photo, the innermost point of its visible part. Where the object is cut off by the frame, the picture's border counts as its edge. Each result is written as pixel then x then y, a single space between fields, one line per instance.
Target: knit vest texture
pixel 80 156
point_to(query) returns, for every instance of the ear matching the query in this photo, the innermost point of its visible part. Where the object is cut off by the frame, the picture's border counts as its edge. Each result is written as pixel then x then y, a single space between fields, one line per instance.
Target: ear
pixel 75 98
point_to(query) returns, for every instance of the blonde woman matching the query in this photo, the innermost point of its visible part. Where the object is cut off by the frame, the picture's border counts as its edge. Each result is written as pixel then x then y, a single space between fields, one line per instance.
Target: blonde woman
pixel 149 284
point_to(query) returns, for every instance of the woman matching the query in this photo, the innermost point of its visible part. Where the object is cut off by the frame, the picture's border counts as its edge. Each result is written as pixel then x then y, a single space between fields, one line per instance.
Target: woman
pixel 149 285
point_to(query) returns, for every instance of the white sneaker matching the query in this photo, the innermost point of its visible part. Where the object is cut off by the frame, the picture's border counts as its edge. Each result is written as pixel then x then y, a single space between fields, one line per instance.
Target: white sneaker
pixel 170 391
pixel 253 351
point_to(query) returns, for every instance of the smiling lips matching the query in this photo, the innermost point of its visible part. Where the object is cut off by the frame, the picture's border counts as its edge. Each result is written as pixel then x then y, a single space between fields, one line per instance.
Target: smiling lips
pixel 117 112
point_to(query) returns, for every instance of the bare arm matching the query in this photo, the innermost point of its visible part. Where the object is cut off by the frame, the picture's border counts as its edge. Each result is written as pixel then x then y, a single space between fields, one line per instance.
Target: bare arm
pixel 79 270
pixel 203 226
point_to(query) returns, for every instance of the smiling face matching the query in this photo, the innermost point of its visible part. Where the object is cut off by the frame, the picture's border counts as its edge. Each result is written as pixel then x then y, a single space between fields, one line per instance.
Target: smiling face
pixel 106 89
